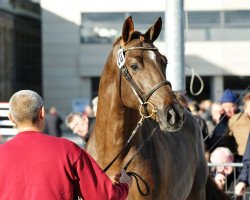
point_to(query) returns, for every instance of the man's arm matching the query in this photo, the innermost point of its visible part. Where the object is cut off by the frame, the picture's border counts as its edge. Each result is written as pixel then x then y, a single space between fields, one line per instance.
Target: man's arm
pixel 95 184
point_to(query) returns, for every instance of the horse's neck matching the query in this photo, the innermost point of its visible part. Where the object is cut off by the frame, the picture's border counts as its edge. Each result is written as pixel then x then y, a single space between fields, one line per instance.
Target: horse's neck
pixel 112 130
pixel 113 121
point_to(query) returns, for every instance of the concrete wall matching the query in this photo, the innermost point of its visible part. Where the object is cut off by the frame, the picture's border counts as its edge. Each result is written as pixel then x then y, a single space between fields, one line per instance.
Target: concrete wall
pixel 61 80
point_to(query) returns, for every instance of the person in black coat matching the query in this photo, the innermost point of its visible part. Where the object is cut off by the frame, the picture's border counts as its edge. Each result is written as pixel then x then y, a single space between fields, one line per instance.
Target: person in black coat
pixel 219 136
pixel 53 123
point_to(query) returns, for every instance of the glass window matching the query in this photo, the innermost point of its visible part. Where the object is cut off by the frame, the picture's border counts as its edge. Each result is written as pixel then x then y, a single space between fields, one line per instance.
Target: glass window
pixel 101 27
pixel 200 19
pixel 105 27
pixel 237 18
pixel 144 20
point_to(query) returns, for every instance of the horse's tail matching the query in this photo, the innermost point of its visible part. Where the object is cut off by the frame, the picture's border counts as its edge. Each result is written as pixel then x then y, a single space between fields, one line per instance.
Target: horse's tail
pixel 213 192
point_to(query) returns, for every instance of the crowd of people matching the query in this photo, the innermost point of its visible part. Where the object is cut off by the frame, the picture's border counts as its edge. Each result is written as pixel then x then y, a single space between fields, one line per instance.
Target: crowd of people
pixel 227 139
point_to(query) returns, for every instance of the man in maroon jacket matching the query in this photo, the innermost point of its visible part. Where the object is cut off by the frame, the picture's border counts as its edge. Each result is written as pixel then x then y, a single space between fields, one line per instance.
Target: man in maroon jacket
pixel 37 166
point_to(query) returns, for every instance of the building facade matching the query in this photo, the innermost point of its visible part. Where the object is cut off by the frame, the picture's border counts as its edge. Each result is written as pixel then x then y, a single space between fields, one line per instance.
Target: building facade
pixel 20 47
pixel 78 36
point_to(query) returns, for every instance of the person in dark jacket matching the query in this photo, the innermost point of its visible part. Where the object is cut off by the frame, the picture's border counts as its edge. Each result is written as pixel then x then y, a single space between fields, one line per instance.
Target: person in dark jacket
pixel 53 123
pixel 219 135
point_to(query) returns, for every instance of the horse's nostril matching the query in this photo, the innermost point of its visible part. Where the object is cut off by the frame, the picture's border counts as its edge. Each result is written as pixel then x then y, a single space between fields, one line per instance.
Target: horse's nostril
pixel 174 118
pixel 171 116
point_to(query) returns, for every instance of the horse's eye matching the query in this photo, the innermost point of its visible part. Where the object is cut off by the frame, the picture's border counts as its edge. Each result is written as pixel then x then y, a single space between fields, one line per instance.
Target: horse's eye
pixel 134 67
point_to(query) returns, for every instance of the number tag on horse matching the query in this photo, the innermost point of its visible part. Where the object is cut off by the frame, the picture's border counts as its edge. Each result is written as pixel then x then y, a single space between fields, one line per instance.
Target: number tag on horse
pixel 121 58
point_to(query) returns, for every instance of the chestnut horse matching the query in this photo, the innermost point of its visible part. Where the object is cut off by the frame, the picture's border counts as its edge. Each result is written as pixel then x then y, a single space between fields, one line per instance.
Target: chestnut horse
pixel 165 155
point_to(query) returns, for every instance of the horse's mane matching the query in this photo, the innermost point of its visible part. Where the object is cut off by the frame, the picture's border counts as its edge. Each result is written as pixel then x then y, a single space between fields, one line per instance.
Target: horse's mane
pixel 135 35
pixel 117 41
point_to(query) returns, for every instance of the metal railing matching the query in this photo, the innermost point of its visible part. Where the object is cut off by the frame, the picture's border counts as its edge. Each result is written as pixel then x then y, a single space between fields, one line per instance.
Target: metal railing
pixel 7 128
pixel 229 189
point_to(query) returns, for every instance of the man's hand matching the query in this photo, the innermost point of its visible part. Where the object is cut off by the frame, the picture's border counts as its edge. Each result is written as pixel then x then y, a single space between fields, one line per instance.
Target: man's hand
pixel 125 178
pixel 240 189
pixel 220 180
pixel 116 178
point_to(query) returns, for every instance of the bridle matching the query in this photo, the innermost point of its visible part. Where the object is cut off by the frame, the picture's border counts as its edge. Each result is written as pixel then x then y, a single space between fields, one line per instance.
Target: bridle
pixel 123 69
pixel 143 99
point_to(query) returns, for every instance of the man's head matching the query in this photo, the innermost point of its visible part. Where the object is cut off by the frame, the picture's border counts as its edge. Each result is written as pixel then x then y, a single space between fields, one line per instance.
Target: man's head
pixel 53 110
pixel 228 103
pixel 78 123
pixel 222 155
pixel 26 107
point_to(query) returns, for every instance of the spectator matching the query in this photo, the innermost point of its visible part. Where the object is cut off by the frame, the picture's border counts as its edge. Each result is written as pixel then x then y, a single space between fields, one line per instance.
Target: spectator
pixel 80 124
pixel 222 174
pixel 229 109
pixel 53 123
pixel 216 112
pixel 38 166
pixel 239 127
pixel 205 110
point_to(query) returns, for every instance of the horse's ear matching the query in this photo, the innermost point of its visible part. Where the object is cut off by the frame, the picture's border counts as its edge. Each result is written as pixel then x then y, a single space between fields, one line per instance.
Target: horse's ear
pixel 127 30
pixel 154 30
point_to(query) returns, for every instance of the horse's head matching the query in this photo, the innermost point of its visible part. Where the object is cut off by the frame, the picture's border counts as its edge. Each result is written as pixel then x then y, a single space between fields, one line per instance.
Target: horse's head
pixel 144 68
